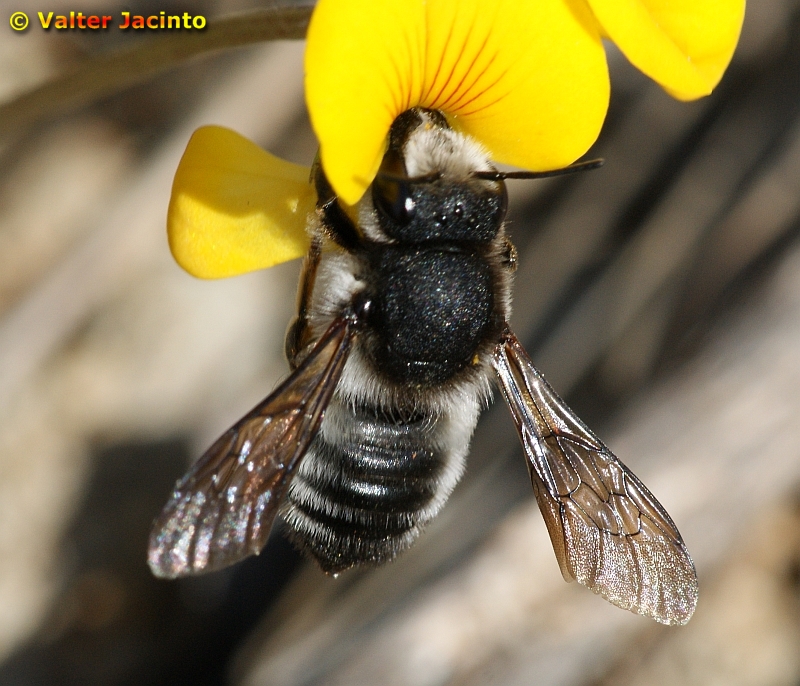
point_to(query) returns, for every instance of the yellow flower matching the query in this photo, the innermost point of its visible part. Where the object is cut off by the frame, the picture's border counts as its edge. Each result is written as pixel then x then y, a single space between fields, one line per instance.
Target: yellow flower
pixel 526 78
pixel 235 208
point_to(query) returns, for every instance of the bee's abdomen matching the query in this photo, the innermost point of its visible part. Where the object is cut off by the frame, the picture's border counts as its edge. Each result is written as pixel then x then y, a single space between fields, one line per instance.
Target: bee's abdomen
pixel 362 496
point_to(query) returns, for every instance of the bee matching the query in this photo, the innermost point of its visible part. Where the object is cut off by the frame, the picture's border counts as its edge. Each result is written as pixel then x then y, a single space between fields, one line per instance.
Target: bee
pixel 401 332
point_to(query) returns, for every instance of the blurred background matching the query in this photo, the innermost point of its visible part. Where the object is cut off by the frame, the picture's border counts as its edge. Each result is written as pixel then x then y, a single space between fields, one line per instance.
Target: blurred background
pixel 660 295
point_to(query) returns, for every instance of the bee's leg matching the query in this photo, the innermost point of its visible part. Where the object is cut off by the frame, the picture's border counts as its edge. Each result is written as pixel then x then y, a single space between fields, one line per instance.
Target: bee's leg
pixel 298 334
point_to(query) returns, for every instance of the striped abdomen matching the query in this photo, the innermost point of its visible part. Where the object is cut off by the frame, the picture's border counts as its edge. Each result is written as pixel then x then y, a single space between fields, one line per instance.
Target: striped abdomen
pixel 368 483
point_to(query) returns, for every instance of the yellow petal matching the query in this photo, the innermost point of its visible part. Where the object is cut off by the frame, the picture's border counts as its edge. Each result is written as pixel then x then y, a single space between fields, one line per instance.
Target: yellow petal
pixel 527 79
pixel 236 208
pixel 685 45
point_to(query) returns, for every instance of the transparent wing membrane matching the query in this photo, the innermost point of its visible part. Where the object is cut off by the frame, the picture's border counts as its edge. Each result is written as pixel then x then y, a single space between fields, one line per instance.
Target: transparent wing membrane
pixel 223 509
pixel 608 531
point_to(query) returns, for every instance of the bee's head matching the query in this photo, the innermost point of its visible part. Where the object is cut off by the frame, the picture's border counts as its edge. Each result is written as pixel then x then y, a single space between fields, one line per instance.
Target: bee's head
pixel 425 189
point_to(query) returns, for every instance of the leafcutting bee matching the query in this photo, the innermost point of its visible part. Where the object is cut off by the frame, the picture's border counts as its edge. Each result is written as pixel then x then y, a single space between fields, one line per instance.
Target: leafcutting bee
pixel 401 330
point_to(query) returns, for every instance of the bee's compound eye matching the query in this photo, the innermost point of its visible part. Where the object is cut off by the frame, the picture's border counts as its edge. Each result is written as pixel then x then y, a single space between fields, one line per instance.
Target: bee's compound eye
pixel 393 198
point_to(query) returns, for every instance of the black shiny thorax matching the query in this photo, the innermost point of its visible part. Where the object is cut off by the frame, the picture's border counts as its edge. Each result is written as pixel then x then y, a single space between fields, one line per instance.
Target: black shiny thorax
pixel 432 306
pixel 435 285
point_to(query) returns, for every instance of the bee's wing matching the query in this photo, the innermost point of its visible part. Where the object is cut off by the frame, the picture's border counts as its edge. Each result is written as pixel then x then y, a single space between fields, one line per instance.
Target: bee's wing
pixel 223 509
pixel 608 531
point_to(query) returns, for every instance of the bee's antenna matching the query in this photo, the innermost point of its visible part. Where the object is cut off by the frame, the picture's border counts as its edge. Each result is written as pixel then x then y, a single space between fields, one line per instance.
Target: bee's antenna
pixel 577 167
pixel 499 176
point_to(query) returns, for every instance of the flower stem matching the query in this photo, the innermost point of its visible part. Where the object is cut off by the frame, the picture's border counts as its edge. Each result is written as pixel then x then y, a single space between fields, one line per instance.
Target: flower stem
pixel 110 73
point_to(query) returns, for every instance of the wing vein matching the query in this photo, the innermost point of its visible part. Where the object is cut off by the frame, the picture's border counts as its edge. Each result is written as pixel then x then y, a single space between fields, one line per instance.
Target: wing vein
pixel 600 538
pixel 223 509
